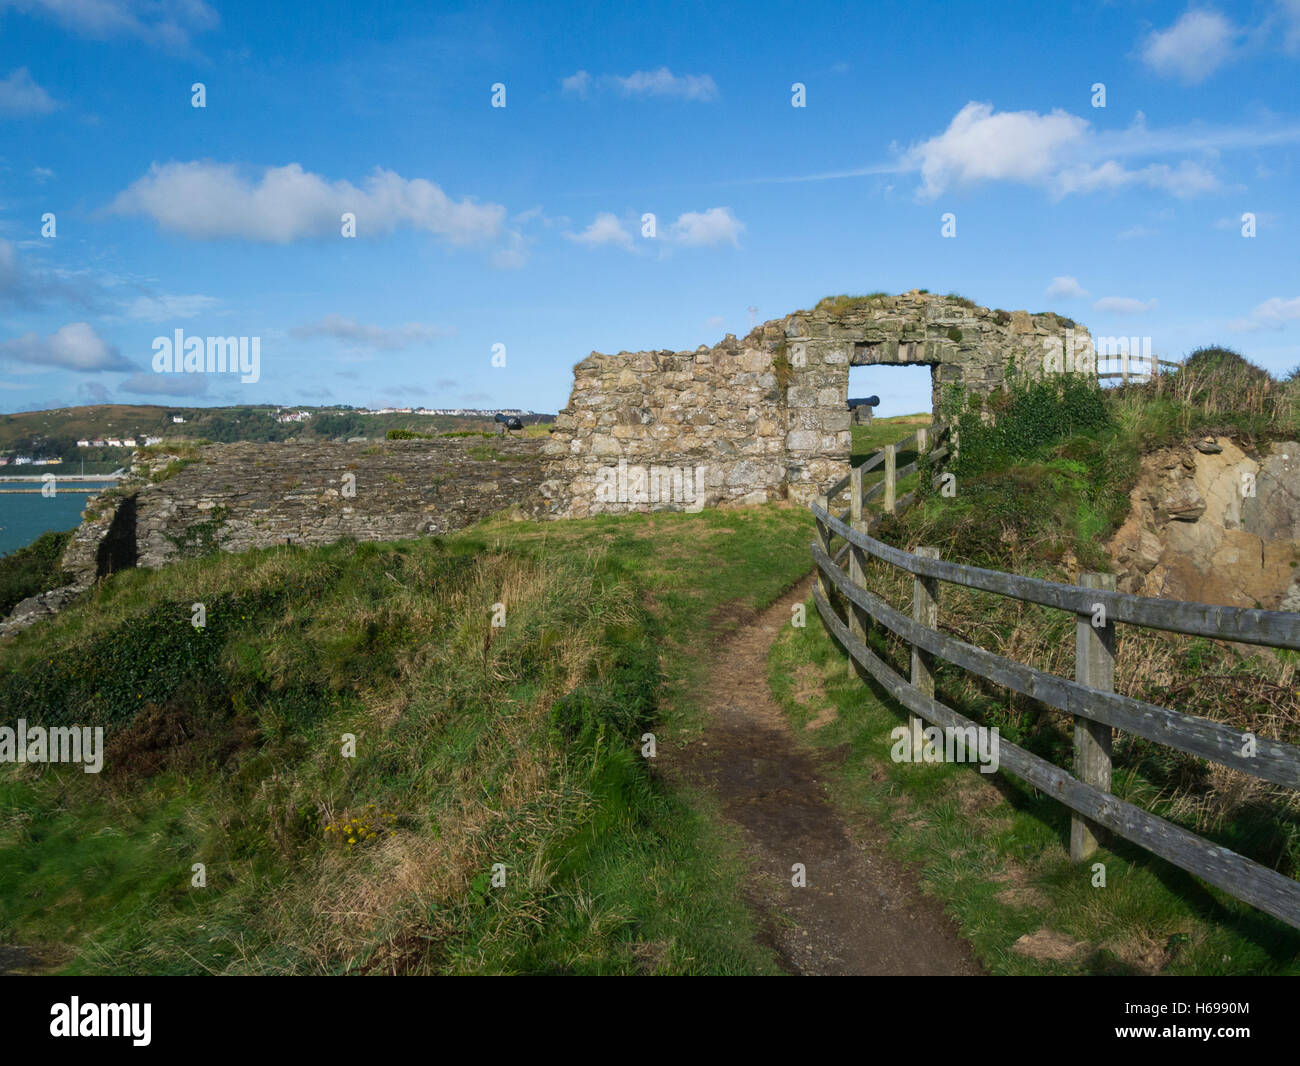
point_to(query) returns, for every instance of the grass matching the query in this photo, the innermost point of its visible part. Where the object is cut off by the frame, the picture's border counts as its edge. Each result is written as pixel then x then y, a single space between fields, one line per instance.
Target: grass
pixel 838 305
pixel 517 745
pixel 996 852
pixel 1039 494
pixel 32 569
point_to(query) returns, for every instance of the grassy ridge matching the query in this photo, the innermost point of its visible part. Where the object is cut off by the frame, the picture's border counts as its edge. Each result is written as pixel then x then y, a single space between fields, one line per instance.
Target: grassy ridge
pixel 475 745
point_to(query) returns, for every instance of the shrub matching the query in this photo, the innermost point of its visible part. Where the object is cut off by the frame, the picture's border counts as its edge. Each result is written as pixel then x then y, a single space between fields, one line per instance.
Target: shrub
pixel 33 569
pixel 1220 379
pixel 1039 414
pixel 838 305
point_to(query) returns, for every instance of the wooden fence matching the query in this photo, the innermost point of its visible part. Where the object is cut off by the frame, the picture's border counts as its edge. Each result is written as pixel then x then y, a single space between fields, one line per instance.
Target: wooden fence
pixel 847 608
pixel 1136 367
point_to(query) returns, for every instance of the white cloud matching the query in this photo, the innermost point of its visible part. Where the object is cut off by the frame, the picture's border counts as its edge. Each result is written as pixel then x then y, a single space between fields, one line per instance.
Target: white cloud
pixel 1135 232
pixel 167 23
pixel 73 347
pixel 1185 180
pixel 579 83
pixel 92 392
pixel 389 339
pixel 1058 151
pixel 717 225
pixel 1290 13
pixel 979 145
pixel 661 82
pixel 20 95
pixel 167 306
pixel 150 384
pixel 606 229
pixel 1123 305
pixel 1192 48
pixel 211 201
pixel 1065 288
pixel 713 323
pixel 23 286
pixel 1274 313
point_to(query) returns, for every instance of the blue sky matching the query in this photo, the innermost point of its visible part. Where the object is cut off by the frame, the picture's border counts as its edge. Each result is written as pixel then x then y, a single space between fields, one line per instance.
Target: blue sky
pixel 521 225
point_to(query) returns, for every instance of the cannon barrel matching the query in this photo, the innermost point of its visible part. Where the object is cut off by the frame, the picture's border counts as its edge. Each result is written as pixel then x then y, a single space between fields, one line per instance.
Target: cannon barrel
pixel 869 401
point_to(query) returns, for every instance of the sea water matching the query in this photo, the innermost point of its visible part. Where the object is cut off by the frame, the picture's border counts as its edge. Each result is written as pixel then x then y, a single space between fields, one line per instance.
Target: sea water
pixel 24 516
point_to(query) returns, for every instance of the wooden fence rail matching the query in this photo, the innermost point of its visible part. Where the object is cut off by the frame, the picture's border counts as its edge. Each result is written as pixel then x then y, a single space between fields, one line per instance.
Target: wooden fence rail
pixel 848 608
pixel 1141 367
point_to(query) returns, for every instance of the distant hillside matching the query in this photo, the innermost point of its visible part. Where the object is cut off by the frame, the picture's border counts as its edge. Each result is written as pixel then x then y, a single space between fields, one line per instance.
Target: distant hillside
pixel 54 434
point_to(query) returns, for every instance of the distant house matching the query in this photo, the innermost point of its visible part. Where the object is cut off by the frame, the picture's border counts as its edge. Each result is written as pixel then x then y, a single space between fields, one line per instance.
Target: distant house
pixel 23 460
pixel 152 440
pixel 83 444
pixel 129 442
pixel 177 419
pixel 4 460
pixel 97 443
pixel 113 442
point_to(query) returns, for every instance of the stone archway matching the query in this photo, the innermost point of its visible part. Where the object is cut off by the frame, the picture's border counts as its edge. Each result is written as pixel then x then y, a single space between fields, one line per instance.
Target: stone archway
pixel 766 417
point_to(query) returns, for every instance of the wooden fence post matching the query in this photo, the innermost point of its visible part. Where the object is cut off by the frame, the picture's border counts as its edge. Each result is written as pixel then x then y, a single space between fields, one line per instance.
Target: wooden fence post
pixel 922 439
pixel 857 616
pixel 925 611
pixel 824 539
pixel 1094 666
pixel 891 477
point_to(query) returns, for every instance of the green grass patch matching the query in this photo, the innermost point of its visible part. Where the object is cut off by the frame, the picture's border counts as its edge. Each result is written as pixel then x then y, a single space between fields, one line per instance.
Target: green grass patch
pixel 33 569
pixel 475 746
pixel 996 852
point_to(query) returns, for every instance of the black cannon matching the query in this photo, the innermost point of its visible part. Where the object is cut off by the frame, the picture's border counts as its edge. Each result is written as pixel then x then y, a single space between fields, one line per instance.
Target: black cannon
pixel 508 422
pixel 861 409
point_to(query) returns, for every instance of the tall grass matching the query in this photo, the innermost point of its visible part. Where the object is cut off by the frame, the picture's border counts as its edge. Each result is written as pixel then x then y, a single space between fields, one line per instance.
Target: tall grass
pixel 476 745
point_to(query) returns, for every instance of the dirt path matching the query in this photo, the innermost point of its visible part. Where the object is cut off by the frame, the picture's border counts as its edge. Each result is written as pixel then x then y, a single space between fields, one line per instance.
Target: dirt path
pixel 862 912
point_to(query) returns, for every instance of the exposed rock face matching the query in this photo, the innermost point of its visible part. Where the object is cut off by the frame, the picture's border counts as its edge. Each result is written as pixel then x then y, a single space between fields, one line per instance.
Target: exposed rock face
pixel 1211 524
pixel 767 417
pixel 31 610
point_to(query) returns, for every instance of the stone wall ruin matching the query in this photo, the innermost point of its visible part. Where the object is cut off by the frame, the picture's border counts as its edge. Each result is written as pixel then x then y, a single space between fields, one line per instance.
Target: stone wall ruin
pixel 767 417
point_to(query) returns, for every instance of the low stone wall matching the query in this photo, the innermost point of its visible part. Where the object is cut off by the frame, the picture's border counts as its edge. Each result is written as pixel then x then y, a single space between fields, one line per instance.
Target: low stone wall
pixel 241 496
pixel 767 417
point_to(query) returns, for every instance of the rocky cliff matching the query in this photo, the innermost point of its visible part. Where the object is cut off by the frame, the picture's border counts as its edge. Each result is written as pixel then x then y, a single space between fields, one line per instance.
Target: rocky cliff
pixel 1211 523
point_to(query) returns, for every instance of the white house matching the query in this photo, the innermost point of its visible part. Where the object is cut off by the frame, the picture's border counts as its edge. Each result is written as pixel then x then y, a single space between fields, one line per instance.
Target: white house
pixel 129 442
pixel 83 444
pixel 177 419
pixel 113 442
